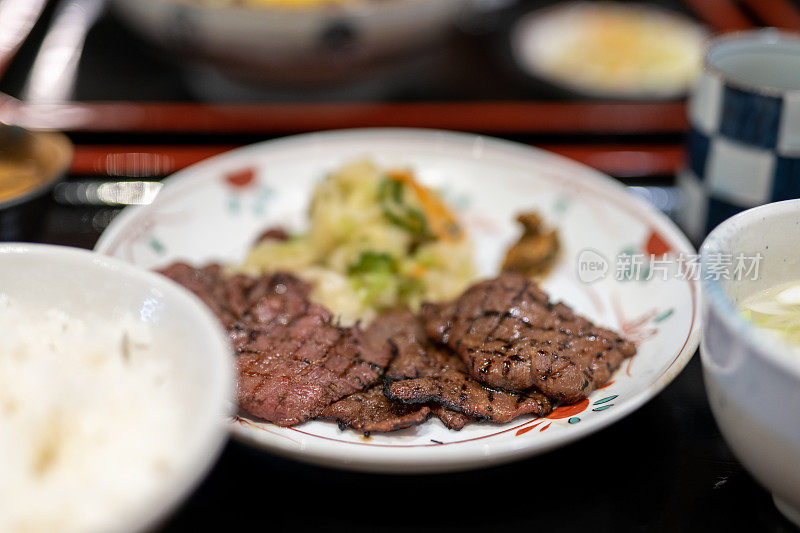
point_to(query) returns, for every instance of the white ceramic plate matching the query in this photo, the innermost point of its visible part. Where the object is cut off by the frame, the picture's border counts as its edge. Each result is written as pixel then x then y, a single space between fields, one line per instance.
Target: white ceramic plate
pixel 215 209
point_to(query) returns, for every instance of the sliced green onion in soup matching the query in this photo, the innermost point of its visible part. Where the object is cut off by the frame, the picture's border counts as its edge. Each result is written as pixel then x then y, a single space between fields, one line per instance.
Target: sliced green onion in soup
pixel 776 309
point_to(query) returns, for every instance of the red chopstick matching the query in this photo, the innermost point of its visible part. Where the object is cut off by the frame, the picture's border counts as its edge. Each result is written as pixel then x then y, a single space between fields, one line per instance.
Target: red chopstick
pixel 150 161
pixel 517 117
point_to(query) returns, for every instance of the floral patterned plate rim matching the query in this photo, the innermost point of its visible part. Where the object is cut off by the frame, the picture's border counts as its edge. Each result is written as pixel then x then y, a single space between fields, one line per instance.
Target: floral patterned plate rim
pixel 213 210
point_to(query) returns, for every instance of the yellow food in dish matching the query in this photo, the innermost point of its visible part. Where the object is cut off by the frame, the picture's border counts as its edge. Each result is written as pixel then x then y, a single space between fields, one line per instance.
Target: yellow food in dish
pixel 614 47
pixel 376 239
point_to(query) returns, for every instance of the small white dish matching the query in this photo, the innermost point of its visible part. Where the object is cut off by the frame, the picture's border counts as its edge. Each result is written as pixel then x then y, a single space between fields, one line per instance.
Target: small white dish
pixel 214 210
pixel 752 377
pixel 610 49
pixel 85 285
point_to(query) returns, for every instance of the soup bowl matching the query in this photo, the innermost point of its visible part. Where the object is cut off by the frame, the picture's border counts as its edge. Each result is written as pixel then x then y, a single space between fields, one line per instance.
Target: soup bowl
pixel 753 378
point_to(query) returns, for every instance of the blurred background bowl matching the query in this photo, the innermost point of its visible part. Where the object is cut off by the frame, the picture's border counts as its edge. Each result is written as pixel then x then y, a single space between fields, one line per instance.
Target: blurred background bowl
pixel 284 44
pixel 31 163
pixel 752 379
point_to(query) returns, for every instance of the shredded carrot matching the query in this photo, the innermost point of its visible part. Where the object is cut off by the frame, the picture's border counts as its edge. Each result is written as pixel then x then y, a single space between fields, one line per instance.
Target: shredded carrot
pixel 418 271
pixel 441 221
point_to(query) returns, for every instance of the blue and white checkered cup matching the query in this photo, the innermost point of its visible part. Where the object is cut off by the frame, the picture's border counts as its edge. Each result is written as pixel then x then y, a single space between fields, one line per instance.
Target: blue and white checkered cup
pixel 744 137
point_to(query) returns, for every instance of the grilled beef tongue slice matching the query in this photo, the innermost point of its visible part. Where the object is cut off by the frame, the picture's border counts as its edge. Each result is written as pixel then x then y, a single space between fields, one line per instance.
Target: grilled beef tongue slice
pixel 244 303
pixel 420 372
pixel 457 391
pixel 413 356
pixel 293 361
pixel 451 419
pixel 298 369
pixel 512 337
pixel 371 411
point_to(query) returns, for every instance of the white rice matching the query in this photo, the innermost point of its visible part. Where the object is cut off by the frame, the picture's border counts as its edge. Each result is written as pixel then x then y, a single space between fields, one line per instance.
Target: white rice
pixel 89 426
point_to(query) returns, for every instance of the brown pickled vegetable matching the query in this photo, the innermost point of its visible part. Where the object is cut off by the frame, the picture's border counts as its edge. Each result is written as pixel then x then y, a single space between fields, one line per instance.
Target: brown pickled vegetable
pixel 536 250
